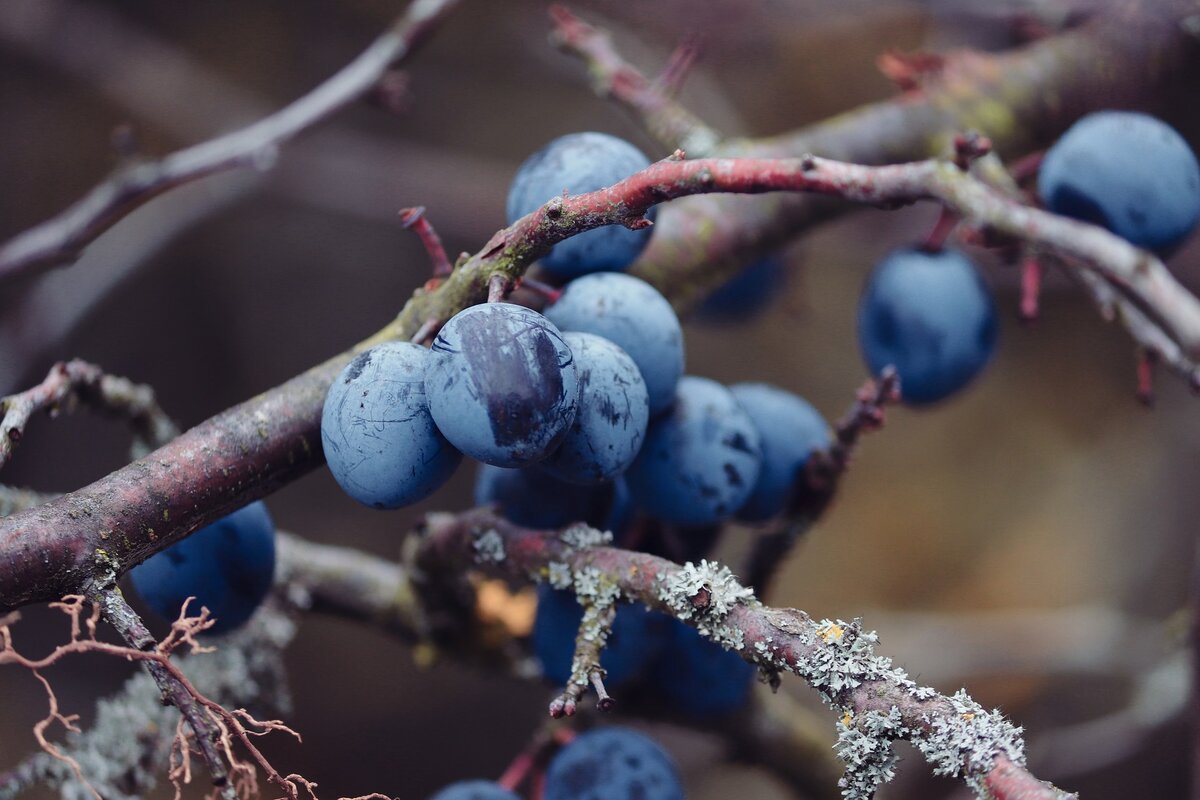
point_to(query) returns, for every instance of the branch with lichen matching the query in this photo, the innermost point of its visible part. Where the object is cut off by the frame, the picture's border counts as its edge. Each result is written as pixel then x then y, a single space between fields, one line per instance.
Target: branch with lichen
pixel 63 237
pixel 876 702
pixel 71 383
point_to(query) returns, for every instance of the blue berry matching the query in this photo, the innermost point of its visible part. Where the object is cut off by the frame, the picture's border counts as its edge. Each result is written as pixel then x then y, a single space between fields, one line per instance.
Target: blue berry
pixel 930 315
pixel 475 790
pixel 501 384
pixel 533 499
pixel 611 420
pixel 227 566
pixel 701 460
pixel 631 644
pixel 698 677
pixel 745 294
pixel 579 163
pixel 612 764
pixel 1128 172
pixel 791 430
pixel 633 315
pixel 379 438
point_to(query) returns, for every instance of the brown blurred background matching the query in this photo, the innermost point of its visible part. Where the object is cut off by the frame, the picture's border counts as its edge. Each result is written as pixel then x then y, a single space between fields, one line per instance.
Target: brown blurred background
pixel 1044 488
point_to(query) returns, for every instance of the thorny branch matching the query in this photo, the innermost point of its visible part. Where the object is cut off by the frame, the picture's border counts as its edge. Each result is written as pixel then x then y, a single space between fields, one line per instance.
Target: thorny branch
pixel 278 451
pixel 61 238
pixel 72 382
pixel 651 101
pixel 675 126
pixel 817 485
pixel 272 439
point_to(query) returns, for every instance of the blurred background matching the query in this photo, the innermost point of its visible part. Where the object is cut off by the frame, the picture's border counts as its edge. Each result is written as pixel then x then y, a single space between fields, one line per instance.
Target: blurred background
pixel 1031 539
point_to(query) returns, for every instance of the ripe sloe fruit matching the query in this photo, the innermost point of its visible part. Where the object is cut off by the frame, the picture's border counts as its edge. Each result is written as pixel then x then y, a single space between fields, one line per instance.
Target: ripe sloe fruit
pixel 610 423
pixel 791 430
pixel 612 764
pixel 379 438
pixel 576 164
pixel 1128 172
pixel 633 315
pixel 227 566
pixel 700 460
pixel 475 790
pixel 501 384
pixel 930 315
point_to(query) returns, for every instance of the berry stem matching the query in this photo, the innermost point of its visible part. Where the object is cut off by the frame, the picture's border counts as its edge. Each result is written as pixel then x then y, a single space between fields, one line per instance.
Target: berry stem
pixel 543 290
pixel 1026 168
pixel 936 240
pixel 427 331
pixel 499 287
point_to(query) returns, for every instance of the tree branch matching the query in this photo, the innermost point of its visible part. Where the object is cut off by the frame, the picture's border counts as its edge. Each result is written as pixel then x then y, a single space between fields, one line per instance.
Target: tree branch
pixel 76 381
pixel 1021 100
pixel 63 237
pixel 877 702
pixel 650 101
pixel 252 449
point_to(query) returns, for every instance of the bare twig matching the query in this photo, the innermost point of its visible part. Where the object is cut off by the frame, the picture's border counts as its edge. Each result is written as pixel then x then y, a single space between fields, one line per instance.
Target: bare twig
pixel 651 101
pixel 1144 330
pixel 77 381
pixel 62 238
pixel 132 742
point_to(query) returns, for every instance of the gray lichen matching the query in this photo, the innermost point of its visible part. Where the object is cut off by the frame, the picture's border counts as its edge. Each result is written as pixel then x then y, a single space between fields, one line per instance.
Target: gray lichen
pixel 489 547
pixel 865 745
pixel 846 661
pixel 581 536
pixel 706 594
pixel 967 742
pixel 964 742
pixel 559 575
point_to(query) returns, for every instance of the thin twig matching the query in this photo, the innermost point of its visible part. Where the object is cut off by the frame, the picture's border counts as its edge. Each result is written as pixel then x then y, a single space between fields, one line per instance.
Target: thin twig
pixel 586 672
pixel 414 219
pixel 234 728
pixel 77 381
pixel 651 101
pixel 818 482
pixel 63 237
